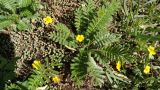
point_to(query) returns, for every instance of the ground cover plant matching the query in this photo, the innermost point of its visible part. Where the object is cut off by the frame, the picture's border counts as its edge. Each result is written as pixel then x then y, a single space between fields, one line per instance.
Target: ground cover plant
pixel 98 44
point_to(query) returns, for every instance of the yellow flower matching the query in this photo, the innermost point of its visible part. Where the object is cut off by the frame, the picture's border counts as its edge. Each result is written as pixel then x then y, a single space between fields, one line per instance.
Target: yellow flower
pixel 80 38
pixel 56 79
pixel 118 66
pixel 151 50
pixel 36 64
pixel 47 20
pixel 147 69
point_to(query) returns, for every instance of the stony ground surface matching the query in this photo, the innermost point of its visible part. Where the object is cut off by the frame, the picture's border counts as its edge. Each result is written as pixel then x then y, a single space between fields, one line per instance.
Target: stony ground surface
pixel 27 46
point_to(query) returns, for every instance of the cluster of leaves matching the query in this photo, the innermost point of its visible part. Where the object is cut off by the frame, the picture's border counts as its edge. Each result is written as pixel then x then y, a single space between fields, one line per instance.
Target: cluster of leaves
pixel 140 21
pixel 97 50
pixel 42 76
pixel 93 58
pixel 17 13
pixel 139 24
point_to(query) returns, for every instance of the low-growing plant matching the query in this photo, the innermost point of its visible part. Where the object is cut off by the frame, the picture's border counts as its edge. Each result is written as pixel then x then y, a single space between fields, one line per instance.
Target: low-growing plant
pixel 126 59
pixel 43 74
pixel 93 43
pixel 140 33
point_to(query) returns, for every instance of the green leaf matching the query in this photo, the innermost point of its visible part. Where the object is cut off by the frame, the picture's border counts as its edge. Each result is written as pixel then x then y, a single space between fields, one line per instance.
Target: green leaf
pixel 25 13
pixel 79 68
pixel 22 25
pixel 84 14
pixel 12 86
pixel 63 36
pixel 103 18
pixel 5 23
pixel 96 72
pixel 24 3
pixel 102 39
pixel 8 4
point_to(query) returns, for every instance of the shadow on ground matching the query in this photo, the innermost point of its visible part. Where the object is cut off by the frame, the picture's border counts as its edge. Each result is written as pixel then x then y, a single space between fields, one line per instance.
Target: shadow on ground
pixel 7 60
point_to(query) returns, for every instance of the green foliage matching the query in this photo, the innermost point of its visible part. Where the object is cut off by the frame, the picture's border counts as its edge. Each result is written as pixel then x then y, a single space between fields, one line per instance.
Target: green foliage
pixel 143 28
pixel 95 71
pixel 93 24
pixel 117 52
pixel 16 86
pixel 115 78
pixel 24 3
pixel 8 5
pixel 63 36
pixel 105 40
pixel 19 9
pixel 110 53
pixel 22 25
pixel 140 28
pixel 83 15
pixel 42 76
pixel 25 13
pixel 102 18
pixel 94 59
pixel 79 68
pixel 12 87
pixel 5 23
pixel 7 68
pixel 38 78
